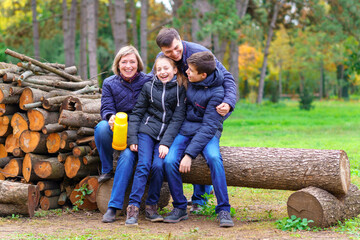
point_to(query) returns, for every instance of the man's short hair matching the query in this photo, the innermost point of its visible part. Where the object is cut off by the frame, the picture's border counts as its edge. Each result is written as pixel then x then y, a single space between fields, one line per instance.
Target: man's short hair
pixel 166 36
pixel 204 62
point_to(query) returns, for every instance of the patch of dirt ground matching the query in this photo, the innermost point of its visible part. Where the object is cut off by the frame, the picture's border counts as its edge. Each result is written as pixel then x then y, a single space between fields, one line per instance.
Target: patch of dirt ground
pixel 88 225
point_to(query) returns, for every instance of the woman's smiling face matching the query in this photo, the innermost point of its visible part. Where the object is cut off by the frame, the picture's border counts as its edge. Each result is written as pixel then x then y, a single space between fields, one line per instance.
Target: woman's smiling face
pixel 128 65
pixel 165 71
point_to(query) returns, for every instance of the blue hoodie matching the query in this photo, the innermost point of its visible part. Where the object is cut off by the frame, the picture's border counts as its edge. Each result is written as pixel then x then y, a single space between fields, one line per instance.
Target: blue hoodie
pixel 202 121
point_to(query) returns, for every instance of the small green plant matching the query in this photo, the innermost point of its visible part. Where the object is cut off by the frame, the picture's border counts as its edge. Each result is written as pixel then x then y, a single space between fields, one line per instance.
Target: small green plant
pixel 209 208
pixel 14 216
pixel 83 190
pixel 306 100
pixel 163 211
pixel 293 224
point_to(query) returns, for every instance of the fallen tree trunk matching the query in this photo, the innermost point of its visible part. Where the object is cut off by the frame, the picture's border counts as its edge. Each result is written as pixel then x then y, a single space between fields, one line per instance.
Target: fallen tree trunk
pixel 85 131
pixel 31 95
pixel 79 119
pixel 278 168
pixel 18 198
pixel 322 207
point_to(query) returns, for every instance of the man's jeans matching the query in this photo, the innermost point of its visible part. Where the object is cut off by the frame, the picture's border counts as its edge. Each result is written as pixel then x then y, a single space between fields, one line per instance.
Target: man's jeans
pixel 149 160
pixel 213 159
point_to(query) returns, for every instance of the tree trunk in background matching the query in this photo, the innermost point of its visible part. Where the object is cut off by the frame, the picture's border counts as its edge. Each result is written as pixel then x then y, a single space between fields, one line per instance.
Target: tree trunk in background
pixel 118 23
pixel 175 5
pixel 134 24
pixel 143 31
pixel 277 6
pixel 35 30
pixel 83 39
pixel 202 7
pixel 91 38
pixel 280 79
pixel 69 28
pixel 241 6
pixel 219 47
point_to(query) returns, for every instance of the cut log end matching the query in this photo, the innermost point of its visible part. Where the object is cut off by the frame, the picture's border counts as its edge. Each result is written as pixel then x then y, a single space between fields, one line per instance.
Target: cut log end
pixel 36 120
pixel 345 172
pixel 26 97
pixel 29 141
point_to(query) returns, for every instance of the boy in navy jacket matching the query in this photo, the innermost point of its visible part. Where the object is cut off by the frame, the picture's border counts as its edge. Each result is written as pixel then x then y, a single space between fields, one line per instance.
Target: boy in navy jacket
pixel 199 133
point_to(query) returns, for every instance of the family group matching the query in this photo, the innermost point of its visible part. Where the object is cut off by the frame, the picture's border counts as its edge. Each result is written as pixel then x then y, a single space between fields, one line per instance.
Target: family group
pixel 175 113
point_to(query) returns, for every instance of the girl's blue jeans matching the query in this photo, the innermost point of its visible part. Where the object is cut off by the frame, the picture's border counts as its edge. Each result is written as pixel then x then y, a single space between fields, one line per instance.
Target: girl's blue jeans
pixel 213 159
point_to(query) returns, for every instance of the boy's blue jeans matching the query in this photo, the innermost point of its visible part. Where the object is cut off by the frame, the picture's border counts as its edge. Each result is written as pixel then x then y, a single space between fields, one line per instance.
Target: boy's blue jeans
pixel 213 159
pixel 124 169
pixel 149 160
pixel 103 141
pixel 199 191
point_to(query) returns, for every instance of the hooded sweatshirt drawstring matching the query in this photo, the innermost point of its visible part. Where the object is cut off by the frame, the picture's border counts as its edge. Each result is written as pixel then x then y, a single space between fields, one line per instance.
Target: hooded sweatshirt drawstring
pixel 177 94
pixel 151 90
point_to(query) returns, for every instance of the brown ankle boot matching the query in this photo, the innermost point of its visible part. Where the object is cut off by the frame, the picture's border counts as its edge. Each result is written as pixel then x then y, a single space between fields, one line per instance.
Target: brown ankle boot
pixel 132 215
pixel 151 214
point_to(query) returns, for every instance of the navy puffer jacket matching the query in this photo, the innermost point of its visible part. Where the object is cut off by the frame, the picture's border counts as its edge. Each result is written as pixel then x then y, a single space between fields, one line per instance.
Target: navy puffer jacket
pixel 159 112
pixel 202 122
pixel 119 95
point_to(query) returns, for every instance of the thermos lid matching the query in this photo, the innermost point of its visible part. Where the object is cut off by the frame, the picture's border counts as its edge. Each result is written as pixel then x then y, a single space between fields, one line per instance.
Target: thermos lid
pixel 121 118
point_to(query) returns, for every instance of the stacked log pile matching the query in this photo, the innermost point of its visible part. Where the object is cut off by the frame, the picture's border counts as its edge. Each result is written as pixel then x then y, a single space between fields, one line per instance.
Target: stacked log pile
pixel 47 119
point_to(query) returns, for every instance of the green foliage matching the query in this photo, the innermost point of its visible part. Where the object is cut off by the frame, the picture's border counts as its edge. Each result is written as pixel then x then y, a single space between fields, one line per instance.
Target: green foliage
pixel 83 190
pixel 293 224
pixel 209 208
pixel 350 226
pixel 306 100
pixel 14 216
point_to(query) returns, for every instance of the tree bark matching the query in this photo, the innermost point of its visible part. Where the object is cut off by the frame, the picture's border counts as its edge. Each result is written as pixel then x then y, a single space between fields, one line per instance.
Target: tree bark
pixel 83 40
pixel 31 95
pixel 48 185
pixel 18 198
pixel 118 23
pixel 81 151
pixel 85 131
pixel 322 207
pixel 52 128
pixel 35 25
pixel 73 103
pixel 39 117
pixel 69 28
pixel 201 7
pixel 52 192
pixel 277 6
pixel 62 199
pixel 143 31
pixel 134 24
pixel 4 161
pixel 34 142
pixel 8 109
pixel 79 119
pixel 19 123
pixel 278 168
pixel 91 159
pixel 91 38
pixel 62 156
pixel 50 169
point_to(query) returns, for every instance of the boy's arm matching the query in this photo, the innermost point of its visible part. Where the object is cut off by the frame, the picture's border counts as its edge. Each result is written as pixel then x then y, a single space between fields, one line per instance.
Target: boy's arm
pixel 211 122
pixel 176 121
pixel 107 108
pixel 229 86
pixel 136 116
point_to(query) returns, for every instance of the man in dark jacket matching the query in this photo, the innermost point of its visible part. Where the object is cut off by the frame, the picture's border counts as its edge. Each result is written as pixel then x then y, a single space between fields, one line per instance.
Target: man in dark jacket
pixel 199 133
pixel 173 47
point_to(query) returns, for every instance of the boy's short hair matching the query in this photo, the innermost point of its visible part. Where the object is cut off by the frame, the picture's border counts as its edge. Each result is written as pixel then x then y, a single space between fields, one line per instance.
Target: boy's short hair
pixel 166 36
pixel 204 62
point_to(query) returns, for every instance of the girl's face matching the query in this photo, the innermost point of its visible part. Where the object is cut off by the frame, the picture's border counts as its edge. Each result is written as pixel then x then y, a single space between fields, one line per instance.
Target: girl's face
pixel 128 65
pixel 164 70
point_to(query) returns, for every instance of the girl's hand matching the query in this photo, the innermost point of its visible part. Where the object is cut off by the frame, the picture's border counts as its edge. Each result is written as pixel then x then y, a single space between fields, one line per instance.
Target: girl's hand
pixel 185 164
pixel 111 122
pixel 163 151
pixel 134 147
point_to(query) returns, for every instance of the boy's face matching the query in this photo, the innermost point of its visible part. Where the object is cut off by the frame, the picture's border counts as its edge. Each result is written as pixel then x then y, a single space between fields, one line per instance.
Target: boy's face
pixel 175 51
pixel 193 74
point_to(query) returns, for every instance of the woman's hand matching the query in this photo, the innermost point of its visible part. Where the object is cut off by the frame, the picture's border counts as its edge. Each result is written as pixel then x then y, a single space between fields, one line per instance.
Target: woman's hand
pixel 223 109
pixel 163 151
pixel 134 147
pixel 111 122
pixel 185 164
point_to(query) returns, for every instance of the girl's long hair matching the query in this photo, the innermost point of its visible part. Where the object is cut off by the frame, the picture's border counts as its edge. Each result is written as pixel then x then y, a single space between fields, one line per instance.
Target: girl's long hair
pixel 181 79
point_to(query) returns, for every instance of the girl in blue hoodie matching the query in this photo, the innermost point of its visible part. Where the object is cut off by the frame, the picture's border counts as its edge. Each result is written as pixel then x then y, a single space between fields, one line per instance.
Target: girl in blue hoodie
pixel 153 126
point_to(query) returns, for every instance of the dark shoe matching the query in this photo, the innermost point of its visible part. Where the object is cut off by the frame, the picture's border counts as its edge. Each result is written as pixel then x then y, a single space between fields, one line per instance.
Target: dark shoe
pixel 110 215
pixel 189 202
pixel 132 215
pixel 225 219
pixel 152 214
pixel 176 215
pixel 104 177
pixel 195 208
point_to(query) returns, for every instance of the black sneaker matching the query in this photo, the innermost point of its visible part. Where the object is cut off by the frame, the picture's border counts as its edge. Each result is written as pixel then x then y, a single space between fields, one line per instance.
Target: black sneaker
pixel 195 208
pixel 176 215
pixel 151 214
pixel 105 176
pixel 132 215
pixel 109 216
pixel 225 219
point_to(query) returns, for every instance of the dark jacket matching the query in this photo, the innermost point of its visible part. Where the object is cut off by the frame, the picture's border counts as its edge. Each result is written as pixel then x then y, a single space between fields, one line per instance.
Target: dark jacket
pixel 159 112
pixel 202 121
pixel 229 82
pixel 119 95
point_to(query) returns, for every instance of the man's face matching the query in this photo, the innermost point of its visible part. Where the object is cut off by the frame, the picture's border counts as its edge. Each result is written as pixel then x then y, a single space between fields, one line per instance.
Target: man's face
pixel 175 50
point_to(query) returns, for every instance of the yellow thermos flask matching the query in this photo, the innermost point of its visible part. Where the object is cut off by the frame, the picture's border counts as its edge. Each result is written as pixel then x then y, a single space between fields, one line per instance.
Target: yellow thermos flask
pixel 120 131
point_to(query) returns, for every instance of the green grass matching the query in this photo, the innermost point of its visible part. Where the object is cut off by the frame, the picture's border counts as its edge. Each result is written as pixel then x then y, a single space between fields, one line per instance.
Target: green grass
pixel 330 125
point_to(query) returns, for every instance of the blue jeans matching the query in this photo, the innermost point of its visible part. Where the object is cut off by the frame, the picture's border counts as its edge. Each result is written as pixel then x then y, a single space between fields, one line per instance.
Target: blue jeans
pixel 103 141
pixel 149 160
pixel 199 191
pixel 213 159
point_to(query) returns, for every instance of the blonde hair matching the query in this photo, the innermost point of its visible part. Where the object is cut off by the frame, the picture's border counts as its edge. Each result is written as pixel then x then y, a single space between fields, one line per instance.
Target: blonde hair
pixel 180 77
pixel 123 52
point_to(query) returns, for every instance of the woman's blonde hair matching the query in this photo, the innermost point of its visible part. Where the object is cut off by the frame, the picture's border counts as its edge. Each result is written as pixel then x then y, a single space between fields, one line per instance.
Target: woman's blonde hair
pixel 123 52
pixel 180 77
